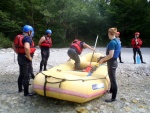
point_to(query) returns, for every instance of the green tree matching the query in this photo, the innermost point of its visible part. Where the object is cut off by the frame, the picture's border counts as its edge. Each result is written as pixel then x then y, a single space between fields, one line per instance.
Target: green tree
pixel 69 19
pixel 130 16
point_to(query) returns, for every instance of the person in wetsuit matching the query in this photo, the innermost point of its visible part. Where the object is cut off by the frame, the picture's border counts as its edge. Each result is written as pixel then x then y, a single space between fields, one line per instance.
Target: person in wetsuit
pixel 112 53
pixel 24 46
pixel 45 43
pixel 75 49
pixel 117 36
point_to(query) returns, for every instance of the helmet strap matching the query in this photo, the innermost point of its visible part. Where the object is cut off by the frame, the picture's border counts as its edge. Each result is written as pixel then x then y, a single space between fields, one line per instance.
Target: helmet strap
pixel 29 33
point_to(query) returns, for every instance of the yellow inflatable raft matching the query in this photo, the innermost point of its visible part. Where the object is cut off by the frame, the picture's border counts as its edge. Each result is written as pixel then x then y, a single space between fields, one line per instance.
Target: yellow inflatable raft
pixel 63 83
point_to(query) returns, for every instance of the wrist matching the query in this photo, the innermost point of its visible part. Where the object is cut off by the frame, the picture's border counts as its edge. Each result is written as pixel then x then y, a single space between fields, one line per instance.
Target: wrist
pixel 102 60
pixel 30 58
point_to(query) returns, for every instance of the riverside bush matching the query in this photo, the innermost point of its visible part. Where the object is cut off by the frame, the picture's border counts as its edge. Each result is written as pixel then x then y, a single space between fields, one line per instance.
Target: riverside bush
pixel 4 41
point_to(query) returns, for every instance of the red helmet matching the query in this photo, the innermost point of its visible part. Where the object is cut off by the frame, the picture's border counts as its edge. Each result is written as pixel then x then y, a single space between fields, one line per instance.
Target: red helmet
pixel 137 33
pixel 118 33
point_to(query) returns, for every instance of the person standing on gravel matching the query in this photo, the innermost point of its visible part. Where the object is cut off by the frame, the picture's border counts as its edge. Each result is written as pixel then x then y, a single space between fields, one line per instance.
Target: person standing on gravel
pixel 75 49
pixel 45 43
pixel 136 43
pixel 24 46
pixel 112 53
pixel 117 36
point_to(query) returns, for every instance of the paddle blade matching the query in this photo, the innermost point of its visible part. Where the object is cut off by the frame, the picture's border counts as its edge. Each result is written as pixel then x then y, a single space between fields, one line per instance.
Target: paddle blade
pixel 87 69
pixel 89 74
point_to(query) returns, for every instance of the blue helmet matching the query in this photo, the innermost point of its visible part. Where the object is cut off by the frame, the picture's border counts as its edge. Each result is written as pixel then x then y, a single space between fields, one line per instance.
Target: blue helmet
pixel 27 28
pixel 48 31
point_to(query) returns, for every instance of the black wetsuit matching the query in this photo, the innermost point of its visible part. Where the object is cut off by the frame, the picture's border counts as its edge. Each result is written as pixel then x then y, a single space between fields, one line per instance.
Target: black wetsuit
pixel 112 64
pixel 137 50
pixel 45 55
pixel 73 54
pixel 24 69
pixel 120 57
pixel 31 69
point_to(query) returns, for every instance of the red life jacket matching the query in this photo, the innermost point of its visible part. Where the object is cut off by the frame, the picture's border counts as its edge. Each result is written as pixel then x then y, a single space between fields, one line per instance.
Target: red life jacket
pixel 47 42
pixel 76 44
pixel 133 43
pixel 19 47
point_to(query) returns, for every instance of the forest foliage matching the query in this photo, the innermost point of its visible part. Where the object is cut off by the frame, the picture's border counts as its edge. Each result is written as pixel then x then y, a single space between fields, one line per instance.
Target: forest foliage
pixel 70 19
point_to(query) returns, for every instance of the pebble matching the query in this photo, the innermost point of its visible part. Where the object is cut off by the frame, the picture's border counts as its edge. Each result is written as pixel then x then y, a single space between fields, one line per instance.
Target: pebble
pixel 127 109
pixel 89 107
pixel 95 109
pixel 81 110
pixel 123 99
pixel 141 106
pixel 135 101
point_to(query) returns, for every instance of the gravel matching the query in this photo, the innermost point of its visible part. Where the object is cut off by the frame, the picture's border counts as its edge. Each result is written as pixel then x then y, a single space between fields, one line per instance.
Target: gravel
pixel 133 86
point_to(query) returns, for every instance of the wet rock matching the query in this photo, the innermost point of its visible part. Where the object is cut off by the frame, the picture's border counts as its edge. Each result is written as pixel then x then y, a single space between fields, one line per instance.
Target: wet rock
pixel 128 75
pixel 94 112
pixel 141 106
pixel 81 110
pixel 89 107
pixel 127 109
pixel 95 109
pixel 102 107
pixel 127 104
pixel 135 101
pixel 123 99
pixel 147 74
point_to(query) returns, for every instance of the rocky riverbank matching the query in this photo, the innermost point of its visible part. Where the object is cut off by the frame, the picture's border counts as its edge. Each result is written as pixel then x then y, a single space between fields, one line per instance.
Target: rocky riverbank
pixel 133 86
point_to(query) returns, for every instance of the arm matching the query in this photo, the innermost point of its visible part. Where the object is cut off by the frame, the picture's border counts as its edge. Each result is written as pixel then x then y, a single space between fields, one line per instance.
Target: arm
pixel 106 58
pixel 41 40
pixel 87 46
pixel 139 41
pixel 27 50
pixel 51 42
pixel 133 42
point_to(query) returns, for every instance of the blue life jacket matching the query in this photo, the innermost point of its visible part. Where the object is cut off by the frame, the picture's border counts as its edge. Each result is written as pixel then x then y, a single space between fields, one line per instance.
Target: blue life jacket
pixel 117 48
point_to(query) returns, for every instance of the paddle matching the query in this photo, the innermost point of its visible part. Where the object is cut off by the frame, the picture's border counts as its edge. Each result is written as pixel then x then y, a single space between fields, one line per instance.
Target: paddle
pixel 89 68
pixel 95 67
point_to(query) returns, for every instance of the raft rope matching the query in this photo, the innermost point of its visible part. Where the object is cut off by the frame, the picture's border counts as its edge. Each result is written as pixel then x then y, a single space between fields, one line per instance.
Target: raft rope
pixel 63 80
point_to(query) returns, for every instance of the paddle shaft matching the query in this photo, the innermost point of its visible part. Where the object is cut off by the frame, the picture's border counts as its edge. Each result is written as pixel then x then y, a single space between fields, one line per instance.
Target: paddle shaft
pixel 94 49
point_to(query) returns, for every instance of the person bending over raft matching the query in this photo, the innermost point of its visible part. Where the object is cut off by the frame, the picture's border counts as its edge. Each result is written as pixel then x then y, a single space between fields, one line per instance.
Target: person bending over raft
pixel 112 53
pixel 75 49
